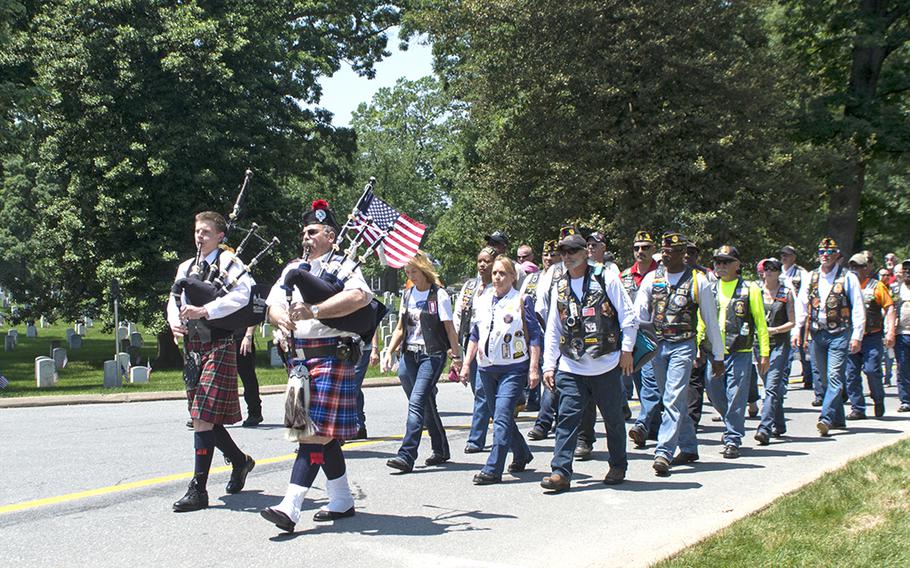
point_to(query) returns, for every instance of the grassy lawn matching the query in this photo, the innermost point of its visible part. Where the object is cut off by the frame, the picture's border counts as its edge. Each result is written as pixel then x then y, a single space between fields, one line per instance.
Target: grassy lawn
pixel 85 371
pixel 856 516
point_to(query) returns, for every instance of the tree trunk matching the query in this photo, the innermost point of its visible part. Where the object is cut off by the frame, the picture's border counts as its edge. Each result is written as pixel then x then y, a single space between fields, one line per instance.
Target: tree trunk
pixel 843 205
pixel 169 356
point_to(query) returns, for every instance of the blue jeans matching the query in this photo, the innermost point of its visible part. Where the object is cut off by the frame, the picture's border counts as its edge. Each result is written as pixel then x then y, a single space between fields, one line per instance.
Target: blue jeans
pixel 480 419
pixel 730 392
pixel 902 354
pixel 889 364
pixel 649 395
pixel 549 401
pixel 830 355
pixel 532 397
pixel 672 367
pixel 574 393
pixel 868 361
pixel 803 355
pixel 419 373
pixel 504 390
pixel 360 371
pixel 776 380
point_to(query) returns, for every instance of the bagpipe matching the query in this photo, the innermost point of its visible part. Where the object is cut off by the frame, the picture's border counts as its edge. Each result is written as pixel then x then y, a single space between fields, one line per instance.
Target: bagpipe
pixel 316 288
pixel 202 287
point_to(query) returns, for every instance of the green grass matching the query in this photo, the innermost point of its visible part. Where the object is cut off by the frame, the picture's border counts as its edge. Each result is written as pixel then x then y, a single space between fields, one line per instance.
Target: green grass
pixel 84 374
pixel 857 516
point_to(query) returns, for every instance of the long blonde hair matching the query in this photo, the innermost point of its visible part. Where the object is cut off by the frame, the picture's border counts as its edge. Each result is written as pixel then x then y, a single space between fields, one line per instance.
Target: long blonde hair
pixel 422 263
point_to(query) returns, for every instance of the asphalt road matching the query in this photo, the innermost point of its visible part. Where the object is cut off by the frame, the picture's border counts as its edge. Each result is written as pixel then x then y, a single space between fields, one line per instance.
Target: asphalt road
pixel 93 486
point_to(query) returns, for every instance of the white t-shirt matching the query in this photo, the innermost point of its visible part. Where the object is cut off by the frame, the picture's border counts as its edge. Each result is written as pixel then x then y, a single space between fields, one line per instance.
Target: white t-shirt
pixel 417 301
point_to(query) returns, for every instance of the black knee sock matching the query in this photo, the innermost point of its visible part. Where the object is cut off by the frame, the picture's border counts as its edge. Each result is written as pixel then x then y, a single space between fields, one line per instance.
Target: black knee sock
pixel 225 443
pixel 204 442
pixel 334 460
pixel 306 466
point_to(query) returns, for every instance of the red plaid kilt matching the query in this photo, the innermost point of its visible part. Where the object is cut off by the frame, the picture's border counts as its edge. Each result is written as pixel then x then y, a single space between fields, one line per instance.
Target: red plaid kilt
pixel 333 391
pixel 214 399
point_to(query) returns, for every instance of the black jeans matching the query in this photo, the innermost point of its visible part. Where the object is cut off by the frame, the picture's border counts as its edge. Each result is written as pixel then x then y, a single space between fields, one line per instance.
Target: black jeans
pixel 246 370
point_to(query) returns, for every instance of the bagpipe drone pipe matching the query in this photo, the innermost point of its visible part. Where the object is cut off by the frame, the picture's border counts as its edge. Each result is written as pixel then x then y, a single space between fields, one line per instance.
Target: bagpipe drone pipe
pixel 201 287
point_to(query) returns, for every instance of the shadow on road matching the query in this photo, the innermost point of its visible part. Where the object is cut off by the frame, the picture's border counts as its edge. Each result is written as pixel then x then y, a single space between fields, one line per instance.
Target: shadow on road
pixel 636 485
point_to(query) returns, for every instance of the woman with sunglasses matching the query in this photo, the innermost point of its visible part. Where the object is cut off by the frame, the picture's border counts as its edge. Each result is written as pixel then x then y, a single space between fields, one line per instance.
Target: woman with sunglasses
pixel 780 316
pixel 426 332
pixel 505 338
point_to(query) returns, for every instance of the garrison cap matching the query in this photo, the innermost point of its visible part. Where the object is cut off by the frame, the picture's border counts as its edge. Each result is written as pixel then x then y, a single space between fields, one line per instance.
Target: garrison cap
pixel 674 240
pixel 644 237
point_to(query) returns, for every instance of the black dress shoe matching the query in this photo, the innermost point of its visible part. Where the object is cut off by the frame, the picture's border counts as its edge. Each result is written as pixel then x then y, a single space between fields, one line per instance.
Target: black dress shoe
pixel 817 402
pixel 517 466
pixel 436 459
pixel 238 475
pixel 683 458
pixel 254 419
pixel 762 438
pixel 537 433
pixel 731 452
pixel 278 518
pixel 583 451
pixel 322 515
pixel 482 478
pixel 361 434
pixel 469 449
pixel 856 415
pixel 638 435
pixel 194 500
pixel 400 464
pixel 615 476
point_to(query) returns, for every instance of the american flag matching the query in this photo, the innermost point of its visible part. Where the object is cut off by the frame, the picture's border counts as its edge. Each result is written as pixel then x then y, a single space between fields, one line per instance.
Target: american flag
pixel 404 233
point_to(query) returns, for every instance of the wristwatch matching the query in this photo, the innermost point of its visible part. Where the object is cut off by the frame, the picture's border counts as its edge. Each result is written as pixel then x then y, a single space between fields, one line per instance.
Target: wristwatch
pixel 315 310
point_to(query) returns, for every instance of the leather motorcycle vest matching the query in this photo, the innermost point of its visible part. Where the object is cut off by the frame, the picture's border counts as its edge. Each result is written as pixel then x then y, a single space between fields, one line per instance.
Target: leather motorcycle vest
pixel 837 305
pixel 466 310
pixel 776 313
pixel 739 327
pixel 432 329
pixel 675 311
pixel 875 319
pixel 590 325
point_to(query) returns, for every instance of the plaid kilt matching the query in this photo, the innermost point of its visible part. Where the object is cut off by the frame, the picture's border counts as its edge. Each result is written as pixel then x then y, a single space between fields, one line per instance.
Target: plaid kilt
pixel 214 399
pixel 333 391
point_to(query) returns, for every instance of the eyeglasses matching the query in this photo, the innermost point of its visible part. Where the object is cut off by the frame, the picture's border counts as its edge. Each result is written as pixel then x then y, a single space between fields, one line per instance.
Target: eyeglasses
pixel 827 251
pixel 638 248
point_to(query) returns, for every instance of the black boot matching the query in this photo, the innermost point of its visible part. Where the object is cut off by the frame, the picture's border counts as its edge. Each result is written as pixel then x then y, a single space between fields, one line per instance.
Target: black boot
pixel 194 500
pixel 238 475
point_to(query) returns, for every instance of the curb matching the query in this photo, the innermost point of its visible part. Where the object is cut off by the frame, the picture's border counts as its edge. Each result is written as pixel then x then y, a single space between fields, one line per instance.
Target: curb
pixel 117 398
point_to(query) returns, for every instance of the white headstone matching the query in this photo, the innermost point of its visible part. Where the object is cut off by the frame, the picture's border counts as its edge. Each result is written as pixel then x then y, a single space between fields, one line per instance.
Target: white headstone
pixel 136 339
pixel 31 331
pixel 75 342
pixel 139 375
pixel 266 330
pixel 89 322
pixel 274 358
pixel 45 372
pixel 15 335
pixel 122 333
pixel 42 322
pixel 130 329
pixel 70 333
pixel 80 329
pixel 9 342
pixel 112 377
pixel 60 359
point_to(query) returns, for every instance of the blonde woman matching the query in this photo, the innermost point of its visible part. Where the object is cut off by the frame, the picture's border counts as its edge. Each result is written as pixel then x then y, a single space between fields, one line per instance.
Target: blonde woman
pixel 506 339
pixel 426 332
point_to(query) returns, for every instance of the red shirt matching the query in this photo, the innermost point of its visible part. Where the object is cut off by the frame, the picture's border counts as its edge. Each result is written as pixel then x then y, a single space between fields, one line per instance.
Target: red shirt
pixel 637 275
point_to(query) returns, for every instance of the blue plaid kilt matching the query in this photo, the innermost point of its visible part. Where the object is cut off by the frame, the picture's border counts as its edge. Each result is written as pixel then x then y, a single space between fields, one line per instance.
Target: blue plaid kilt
pixel 215 399
pixel 333 390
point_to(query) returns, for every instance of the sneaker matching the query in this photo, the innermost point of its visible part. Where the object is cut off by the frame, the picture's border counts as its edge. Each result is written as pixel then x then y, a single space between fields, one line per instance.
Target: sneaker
pixel 904 408
pixel 537 433
pixel 731 452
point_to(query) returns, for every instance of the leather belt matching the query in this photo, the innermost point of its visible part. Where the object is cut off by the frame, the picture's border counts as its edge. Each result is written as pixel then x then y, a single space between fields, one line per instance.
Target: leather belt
pixel 346 349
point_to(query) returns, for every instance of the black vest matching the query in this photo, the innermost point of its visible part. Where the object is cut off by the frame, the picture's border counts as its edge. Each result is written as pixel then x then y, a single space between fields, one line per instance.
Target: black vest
pixel 530 283
pixel 776 314
pixel 837 305
pixel 675 312
pixel 467 309
pixel 875 319
pixel 590 326
pixel 432 329
pixel 797 279
pixel 739 329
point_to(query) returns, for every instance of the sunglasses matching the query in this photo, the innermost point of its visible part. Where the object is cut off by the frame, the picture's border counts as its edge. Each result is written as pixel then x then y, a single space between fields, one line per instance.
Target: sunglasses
pixel 638 248
pixel 827 251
